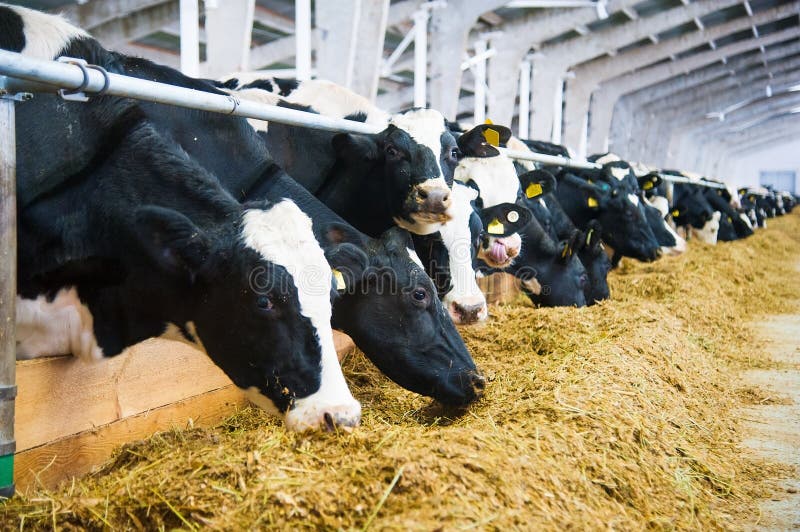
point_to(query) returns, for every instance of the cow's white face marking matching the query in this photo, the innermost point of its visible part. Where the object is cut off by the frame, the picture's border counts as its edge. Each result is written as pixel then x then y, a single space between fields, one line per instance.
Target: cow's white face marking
pixel 457 240
pixel 62 326
pixel 608 158
pixel 496 178
pixel 46 35
pixel 619 173
pixel 633 198
pixel 708 234
pixel 746 220
pixel 282 235
pixel 661 203
pixel 426 127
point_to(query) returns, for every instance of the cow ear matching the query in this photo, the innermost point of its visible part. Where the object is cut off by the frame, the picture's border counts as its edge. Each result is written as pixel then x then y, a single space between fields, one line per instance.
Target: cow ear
pixel 505 219
pixel 348 264
pixel 171 239
pixel 481 141
pixel 339 233
pixel 649 181
pixel 536 183
pixel 355 147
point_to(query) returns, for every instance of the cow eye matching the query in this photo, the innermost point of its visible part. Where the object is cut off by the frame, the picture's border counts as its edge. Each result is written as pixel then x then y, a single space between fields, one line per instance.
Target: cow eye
pixel 391 151
pixel 264 303
pixel 455 154
pixel 419 295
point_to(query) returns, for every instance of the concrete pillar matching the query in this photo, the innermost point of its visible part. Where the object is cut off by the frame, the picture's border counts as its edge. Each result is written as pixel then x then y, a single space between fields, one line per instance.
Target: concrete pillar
pixel 546 93
pixel 601 110
pixel 523 128
pixel 190 44
pixel 229 29
pixel 577 98
pixel 449 29
pixel 337 25
pixel 302 35
pixel 368 54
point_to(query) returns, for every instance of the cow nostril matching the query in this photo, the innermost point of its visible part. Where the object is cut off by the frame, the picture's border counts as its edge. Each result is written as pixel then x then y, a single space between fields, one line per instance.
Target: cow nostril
pixel 330 424
pixel 422 193
pixel 478 382
pixel 445 198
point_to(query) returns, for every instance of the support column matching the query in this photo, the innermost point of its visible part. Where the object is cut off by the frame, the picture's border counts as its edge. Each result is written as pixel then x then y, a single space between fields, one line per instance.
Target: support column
pixel 577 99
pixel 602 111
pixel 302 33
pixel 190 37
pixel 479 116
pixel 337 26
pixel 368 54
pixel 421 58
pixel 8 294
pixel 229 30
pixel 546 94
pixel 523 128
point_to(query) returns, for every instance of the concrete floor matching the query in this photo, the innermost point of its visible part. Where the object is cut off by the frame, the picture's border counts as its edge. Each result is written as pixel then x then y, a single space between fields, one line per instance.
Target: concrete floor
pixel 774 429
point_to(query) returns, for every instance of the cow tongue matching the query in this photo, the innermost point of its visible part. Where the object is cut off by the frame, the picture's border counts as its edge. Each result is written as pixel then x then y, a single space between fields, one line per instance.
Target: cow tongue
pixel 498 252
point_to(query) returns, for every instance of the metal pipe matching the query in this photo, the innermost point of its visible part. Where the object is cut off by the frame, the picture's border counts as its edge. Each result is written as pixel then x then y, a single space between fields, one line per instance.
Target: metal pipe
pixel 190 37
pixel 554 160
pixel 302 36
pixel 420 57
pixel 523 131
pixel 479 114
pixel 70 76
pixel 8 293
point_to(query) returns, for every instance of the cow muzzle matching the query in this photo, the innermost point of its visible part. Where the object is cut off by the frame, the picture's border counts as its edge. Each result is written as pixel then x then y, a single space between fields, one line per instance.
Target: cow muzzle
pixel 431 202
pixel 500 252
pixel 310 414
pixel 464 313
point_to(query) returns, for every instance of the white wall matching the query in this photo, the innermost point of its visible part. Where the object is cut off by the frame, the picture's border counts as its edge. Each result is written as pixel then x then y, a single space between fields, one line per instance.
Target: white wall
pixel 744 170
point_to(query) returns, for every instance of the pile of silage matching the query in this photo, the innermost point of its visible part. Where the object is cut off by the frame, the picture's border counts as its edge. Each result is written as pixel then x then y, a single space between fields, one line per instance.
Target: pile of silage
pixel 615 416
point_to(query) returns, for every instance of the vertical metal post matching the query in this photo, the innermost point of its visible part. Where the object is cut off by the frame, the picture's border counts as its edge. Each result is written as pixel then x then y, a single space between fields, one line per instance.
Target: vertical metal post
pixel 190 37
pixel 479 116
pixel 558 113
pixel 8 293
pixel 302 36
pixel 420 57
pixel 523 129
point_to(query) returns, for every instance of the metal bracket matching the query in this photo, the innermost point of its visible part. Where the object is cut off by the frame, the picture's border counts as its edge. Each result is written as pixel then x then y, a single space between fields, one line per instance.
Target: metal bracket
pixel 77 94
pixel 16 96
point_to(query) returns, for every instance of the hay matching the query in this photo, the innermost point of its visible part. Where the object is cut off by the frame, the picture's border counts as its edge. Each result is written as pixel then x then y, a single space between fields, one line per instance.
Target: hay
pixel 616 416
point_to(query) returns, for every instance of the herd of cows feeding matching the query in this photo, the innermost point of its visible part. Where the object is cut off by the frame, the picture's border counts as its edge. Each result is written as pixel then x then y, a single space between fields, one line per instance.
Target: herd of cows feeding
pixel 253 241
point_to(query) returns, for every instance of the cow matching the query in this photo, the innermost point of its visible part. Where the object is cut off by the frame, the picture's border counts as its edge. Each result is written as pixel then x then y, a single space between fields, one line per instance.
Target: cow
pixel 391 311
pixel 210 139
pixel 538 187
pixel 656 210
pixel 135 247
pixel 606 196
pixel 692 211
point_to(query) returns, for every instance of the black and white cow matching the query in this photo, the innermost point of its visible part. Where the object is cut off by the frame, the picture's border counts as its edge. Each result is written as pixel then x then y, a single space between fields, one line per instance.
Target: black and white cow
pixel 538 187
pixel 210 139
pixel 603 195
pixel 692 212
pixel 139 246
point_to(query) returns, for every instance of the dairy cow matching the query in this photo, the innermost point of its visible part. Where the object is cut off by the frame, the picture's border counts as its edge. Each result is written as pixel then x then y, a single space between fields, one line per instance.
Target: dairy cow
pixel 210 139
pixel 135 247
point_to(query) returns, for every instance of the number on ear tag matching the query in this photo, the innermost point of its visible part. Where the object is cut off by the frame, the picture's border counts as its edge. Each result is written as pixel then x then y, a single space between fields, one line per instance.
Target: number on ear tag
pixel 492 136
pixel 495 227
pixel 533 190
pixel 340 284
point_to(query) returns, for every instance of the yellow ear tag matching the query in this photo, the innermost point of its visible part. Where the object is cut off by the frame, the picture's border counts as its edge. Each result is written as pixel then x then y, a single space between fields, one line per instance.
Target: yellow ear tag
pixel 589 236
pixel 492 137
pixel 533 190
pixel 647 186
pixel 487 121
pixel 676 213
pixel 592 202
pixel 565 251
pixel 730 220
pixel 340 284
pixel 495 227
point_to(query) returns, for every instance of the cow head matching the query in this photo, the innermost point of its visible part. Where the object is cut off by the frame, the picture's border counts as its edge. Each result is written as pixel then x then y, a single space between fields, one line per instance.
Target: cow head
pixel 494 176
pixel 418 156
pixel 256 296
pixel 395 317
